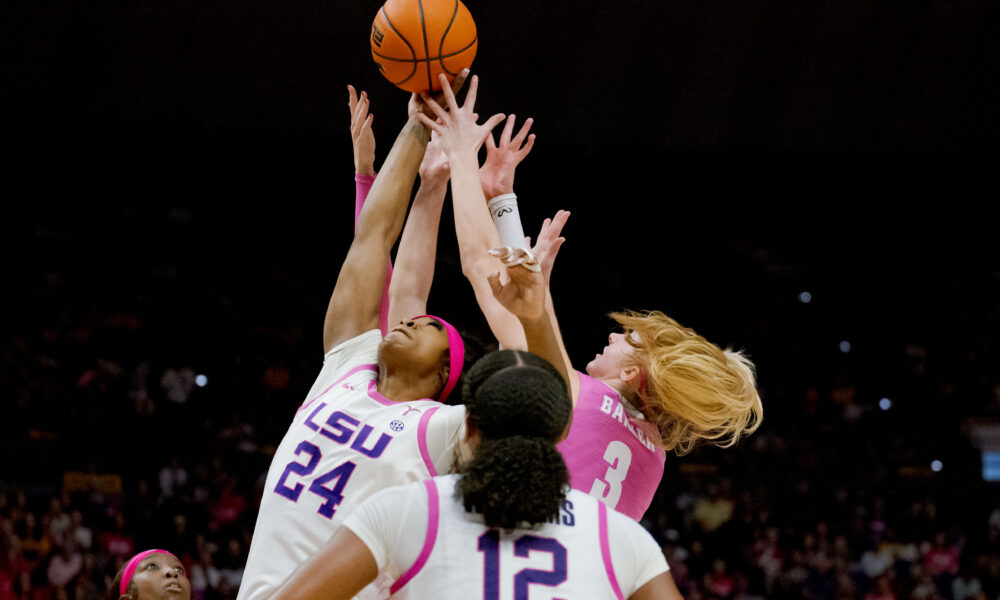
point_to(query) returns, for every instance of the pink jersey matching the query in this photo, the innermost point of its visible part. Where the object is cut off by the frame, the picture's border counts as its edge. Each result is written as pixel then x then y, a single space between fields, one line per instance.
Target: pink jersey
pixel 610 454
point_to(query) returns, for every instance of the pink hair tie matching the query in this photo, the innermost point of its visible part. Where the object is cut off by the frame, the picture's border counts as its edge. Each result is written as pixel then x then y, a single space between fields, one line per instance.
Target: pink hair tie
pixel 456 356
pixel 131 566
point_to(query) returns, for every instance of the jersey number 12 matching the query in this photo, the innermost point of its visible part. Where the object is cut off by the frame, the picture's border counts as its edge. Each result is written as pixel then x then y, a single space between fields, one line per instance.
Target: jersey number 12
pixel 489 545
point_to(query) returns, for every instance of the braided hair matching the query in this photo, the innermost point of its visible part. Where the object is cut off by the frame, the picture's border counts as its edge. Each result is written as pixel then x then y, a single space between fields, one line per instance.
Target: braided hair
pixel 520 405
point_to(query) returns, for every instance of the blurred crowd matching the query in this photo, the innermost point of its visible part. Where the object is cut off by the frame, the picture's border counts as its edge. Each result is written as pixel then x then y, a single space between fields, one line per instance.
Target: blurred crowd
pixel 117 440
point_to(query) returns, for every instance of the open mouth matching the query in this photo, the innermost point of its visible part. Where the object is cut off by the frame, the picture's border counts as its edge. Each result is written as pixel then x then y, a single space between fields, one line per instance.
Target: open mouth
pixel 174 587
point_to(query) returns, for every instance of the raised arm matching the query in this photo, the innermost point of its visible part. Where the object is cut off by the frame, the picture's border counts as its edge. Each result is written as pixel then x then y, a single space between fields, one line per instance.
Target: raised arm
pixel 354 304
pixel 524 296
pixel 363 142
pixel 411 283
pixel 476 231
pixel 545 250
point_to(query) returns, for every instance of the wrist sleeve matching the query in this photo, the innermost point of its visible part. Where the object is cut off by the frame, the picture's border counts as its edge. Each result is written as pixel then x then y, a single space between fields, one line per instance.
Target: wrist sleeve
pixel 507 220
pixel 362 185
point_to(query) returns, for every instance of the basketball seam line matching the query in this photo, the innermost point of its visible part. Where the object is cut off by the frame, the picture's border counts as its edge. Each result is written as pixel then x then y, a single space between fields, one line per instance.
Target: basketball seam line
pixel 444 36
pixel 449 55
pixel 405 41
pixel 427 50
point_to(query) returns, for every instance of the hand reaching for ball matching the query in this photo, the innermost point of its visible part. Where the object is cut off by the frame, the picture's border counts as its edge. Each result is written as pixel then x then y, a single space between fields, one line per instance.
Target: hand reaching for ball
pixel 497 173
pixel 361 132
pixel 460 135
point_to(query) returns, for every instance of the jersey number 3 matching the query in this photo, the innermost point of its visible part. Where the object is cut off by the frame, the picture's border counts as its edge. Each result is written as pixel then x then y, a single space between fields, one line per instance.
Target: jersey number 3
pixel 489 545
pixel 618 455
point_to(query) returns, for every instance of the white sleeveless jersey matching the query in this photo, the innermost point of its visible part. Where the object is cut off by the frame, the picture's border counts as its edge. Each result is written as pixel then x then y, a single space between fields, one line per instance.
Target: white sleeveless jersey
pixel 428 547
pixel 345 443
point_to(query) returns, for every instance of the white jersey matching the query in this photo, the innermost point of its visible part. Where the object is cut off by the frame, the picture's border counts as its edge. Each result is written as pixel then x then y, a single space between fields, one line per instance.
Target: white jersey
pixel 345 443
pixel 425 542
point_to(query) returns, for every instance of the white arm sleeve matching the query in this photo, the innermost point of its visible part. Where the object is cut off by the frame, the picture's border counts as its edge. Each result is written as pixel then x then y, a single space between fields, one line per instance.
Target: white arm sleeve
pixel 393 524
pixel 636 556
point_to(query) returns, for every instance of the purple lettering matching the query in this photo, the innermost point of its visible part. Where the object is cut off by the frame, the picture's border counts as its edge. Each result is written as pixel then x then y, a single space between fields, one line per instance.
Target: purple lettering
pixel 380 445
pixel 343 432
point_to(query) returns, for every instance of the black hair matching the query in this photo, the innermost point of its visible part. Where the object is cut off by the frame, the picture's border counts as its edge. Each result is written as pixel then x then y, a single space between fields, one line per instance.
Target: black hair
pixel 519 404
pixel 475 348
pixel 113 591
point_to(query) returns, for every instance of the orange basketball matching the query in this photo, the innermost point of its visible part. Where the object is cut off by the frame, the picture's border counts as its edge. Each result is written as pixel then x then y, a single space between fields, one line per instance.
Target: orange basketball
pixel 415 40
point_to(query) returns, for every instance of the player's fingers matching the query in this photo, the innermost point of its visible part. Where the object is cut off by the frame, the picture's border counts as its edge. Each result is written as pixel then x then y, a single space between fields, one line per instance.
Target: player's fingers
pixel 434 106
pixel 523 132
pixel 362 109
pixel 366 127
pixel 352 99
pixel 449 95
pixel 558 222
pixel 494 281
pixel 358 117
pixel 470 97
pixel 459 81
pixel 435 126
pixel 508 129
pixel 503 252
pixel 527 148
pixel 490 143
pixel 493 121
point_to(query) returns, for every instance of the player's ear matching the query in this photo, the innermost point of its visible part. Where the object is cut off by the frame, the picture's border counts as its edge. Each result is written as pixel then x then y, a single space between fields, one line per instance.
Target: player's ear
pixel 630 376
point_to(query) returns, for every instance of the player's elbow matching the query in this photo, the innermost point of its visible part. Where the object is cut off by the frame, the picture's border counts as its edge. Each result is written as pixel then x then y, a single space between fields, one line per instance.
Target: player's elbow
pixel 476 270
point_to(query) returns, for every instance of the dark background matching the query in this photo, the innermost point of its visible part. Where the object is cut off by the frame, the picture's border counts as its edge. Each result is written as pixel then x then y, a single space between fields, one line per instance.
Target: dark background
pixel 719 158
pixel 177 189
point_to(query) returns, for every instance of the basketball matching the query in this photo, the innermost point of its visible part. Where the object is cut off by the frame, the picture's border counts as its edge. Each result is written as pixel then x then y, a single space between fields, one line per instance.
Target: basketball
pixel 415 40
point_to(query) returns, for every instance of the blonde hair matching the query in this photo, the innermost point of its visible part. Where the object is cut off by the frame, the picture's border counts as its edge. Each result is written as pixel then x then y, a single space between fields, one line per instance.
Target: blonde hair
pixel 689 387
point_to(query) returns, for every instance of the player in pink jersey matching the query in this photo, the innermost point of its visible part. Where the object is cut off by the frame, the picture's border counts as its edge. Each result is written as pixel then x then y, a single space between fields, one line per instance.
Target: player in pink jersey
pixel 507 526
pixel 657 386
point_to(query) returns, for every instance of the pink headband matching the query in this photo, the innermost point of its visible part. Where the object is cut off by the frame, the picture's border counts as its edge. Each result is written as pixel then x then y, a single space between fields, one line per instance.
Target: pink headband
pixel 131 566
pixel 456 355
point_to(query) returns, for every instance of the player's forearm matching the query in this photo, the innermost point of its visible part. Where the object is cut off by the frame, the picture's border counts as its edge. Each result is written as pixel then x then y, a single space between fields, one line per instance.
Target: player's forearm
pixel 338 571
pixel 354 304
pixel 543 341
pixel 414 271
pixel 385 209
pixel 362 186
pixel 550 310
pixel 474 228
pixel 476 235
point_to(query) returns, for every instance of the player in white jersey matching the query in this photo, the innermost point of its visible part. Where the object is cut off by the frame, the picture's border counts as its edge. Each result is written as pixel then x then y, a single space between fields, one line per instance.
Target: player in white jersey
pixel 369 420
pixel 506 527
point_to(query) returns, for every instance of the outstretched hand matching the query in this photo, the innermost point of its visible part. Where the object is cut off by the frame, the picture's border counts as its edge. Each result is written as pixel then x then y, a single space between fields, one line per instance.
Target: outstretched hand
pixel 456 125
pixel 497 173
pixel 420 104
pixel 524 293
pixel 549 241
pixel 361 132
pixel 435 167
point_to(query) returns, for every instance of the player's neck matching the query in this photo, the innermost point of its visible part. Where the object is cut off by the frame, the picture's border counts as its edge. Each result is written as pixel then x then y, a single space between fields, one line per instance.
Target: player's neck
pixel 404 387
pixel 619 386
